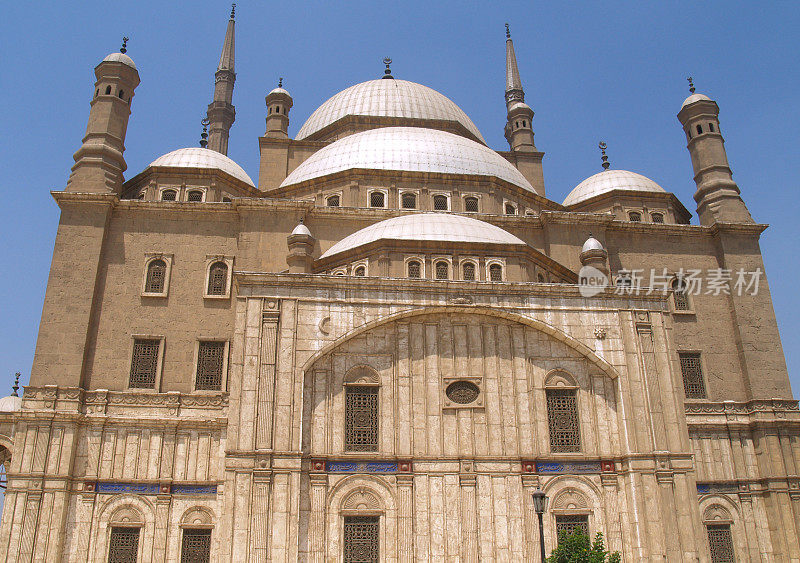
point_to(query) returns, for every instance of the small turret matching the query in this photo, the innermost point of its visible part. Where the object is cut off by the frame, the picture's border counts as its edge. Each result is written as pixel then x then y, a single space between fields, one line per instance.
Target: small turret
pixel 593 254
pixel 99 163
pixel 301 245
pixel 519 123
pixel 279 102
pixel 717 194
pixel 221 112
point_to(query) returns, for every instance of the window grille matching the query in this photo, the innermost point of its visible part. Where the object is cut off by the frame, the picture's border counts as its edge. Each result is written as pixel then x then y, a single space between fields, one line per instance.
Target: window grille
pixel 195 195
pixel 462 392
pixel 720 542
pixel 568 524
pixel 496 272
pixel 156 276
pixel 196 546
pixel 471 204
pixel 210 359
pixel 468 270
pixel 333 201
pixel 361 419
pixel 562 418
pixel 360 271
pixel 657 217
pixel 635 216
pixel 510 209
pixel 409 201
pixel 693 385
pixel 361 539
pixel 123 545
pixel 414 269
pixel 441 270
pixel 679 295
pixel 169 195
pixel 218 278
pixel 376 199
pixel 144 363
pixel 440 202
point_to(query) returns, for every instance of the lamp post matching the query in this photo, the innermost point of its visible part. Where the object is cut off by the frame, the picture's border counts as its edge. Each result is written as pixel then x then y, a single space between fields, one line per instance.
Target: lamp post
pixel 540 505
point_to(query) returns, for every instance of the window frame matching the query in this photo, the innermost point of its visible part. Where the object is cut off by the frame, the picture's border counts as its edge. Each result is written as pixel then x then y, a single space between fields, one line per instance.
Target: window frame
pixel 701 362
pixel 412 258
pixel 347 447
pixel 329 195
pixel 550 389
pixel 194 528
pixel 163 189
pixel 150 257
pixel 435 260
pixel 223 384
pixel 211 260
pixel 359 264
pixel 385 198
pixel 689 301
pixel 159 362
pixel 475 265
pixel 202 190
pixel 492 261
pixel 402 193
pixel 654 214
pixel 464 198
pixel 508 202
pixel 633 212
pixel 129 526
pixel 446 196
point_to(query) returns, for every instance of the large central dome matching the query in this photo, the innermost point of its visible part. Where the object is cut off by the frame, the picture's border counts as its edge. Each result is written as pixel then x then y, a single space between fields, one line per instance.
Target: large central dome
pixel 387 98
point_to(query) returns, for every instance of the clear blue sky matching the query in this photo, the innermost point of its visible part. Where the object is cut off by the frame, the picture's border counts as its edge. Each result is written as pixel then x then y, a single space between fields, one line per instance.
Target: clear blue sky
pixel 591 71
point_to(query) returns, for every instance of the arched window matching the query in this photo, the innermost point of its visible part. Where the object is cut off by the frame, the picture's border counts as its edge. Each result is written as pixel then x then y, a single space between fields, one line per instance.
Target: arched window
pixel 409 200
pixel 699 129
pixel 657 217
pixel 194 195
pixel 562 413
pixel 121 94
pixel 377 199
pixel 169 195
pixel 468 271
pixel 471 204
pixel 108 90
pixel 361 418
pixel 711 127
pixel 414 269
pixel 679 296
pixel 634 216
pixel 218 279
pixel 511 209
pixel 496 272
pixel 332 201
pixel 156 276
pixel 540 278
pixel 440 202
pixel 442 270
pixel 524 123
pixel 360 271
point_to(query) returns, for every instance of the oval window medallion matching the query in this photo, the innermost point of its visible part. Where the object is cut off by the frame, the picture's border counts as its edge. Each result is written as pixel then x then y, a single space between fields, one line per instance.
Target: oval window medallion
pixel 462 392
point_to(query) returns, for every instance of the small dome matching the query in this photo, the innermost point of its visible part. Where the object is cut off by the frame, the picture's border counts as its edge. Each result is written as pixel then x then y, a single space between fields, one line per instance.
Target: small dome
pixel 279 91
pixel 519 105
pixel 440 227
pixel 196 157
pixel 118 57
pixel 591 244
pixel 10 404
pixel 387 98
pixel 301 229
pixel 609 180
pixel 412 149
pixel 695 98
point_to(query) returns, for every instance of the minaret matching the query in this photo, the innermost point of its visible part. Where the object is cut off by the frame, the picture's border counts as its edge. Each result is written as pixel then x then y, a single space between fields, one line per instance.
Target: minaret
pixel 717 195
pixel 221 113
pixel 99 163
pixel 279 102
pixel 519 124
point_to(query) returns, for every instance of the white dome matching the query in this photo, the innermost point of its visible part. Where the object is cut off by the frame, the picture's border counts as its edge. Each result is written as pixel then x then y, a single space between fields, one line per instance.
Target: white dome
pixel 609 180
pixel 442 227
pixel 301 229
pixel 120 58
pixel 591 244
pixel 387 98
pixel 279 91
pixel 412 149
pixel 196 157
pixel 10 404
pixel 694 98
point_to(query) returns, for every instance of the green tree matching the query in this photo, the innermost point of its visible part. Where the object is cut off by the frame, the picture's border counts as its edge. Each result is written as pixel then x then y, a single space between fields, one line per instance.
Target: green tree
pixel 576 548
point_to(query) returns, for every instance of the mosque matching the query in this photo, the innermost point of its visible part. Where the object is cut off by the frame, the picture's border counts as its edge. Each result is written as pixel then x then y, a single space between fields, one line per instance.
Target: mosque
pixel 386 345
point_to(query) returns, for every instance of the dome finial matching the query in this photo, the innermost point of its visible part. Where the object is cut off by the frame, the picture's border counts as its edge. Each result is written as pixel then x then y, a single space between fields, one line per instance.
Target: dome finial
pixel 388 72
pixel 280 82
pixel 691 84
pixel 508 32
pixel 233 11
pixel 204 135
pixel 603 146
pixel 124 48
pixel 15 387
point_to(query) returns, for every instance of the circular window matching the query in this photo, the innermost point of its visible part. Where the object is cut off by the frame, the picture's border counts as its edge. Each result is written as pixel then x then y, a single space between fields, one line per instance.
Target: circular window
pixel 462 392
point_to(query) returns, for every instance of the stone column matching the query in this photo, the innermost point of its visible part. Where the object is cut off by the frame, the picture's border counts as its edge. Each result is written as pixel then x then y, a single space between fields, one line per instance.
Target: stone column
pixel 405 517
pixel 469 516
pixel 529 484
pixel 262 482
pixel 316 527
pixel 266 379
pixel 162 526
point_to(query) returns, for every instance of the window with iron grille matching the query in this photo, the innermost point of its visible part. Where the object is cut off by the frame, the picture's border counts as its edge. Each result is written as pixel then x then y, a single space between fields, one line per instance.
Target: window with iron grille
pixel 156 276
pixel 496 272
pixel 218 278
pixel 720 542
pixel 169 195
pixel 332 201
pixel 409 200
pixel 562 418
pixel 510 209
pixel 440 203
pixel 210 361
pixel 360 271
pixel 568 524
pixel 361 419
pixel 442 270
pixel 361 539
pixel 468 271
pixel 144 363
pixel 635 216
pixel 679 295
pixel 196 546
pixel 414 269
pixel 693 385
pixel 657 217
pixel 376 199
pixel 195 195
pixel 471 204
pixel 123 546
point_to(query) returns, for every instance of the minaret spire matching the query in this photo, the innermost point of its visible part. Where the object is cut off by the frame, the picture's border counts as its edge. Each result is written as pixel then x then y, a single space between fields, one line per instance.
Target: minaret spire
pixel 514 92
pixel 221 112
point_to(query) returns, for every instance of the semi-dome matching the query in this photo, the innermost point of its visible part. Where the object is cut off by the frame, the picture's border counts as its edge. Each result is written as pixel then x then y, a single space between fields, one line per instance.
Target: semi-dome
pixel 412 149
pixel 387 98
pixel 437 227
pixel 118 57
pixel 610 180
pixel 694 98
pixel 196 157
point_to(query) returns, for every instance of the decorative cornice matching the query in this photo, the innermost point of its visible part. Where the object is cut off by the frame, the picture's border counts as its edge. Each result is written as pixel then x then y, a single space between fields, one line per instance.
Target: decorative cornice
pixel 746 408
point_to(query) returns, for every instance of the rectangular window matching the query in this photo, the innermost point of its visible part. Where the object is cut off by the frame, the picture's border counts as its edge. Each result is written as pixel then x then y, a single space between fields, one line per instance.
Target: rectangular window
pixel 144 364
pixel 693 385
pixel 123 546
pixel 361 419
pixel 720 543
pixel 568 524
pixel 196 546
pixel 361 539
pixel 210 362
pixel 562 418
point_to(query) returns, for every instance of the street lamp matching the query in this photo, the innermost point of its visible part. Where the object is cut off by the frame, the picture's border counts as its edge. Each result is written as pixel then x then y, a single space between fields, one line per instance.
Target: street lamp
pixel 540 505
